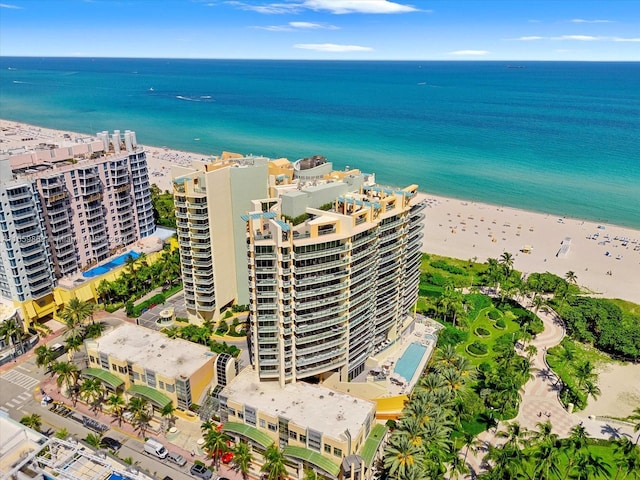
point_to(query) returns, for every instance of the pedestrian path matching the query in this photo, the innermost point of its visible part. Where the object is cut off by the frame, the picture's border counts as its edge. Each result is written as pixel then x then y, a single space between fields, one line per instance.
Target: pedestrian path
pixel 20 379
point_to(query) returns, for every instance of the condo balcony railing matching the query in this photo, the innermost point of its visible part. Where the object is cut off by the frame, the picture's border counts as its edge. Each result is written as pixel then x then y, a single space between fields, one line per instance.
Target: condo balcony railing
pixel 317 348
pixel 321 266
pixel 311 360
pixel 322 253
pixel 198 216
pixel 201 254
pixel 300 295
pixel 310 327
pixel 321 278
pixel 33 260
pixel 34 278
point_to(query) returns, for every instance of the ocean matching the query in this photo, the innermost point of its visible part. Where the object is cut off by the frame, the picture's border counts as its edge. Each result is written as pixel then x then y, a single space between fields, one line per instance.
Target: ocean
pixel 555 137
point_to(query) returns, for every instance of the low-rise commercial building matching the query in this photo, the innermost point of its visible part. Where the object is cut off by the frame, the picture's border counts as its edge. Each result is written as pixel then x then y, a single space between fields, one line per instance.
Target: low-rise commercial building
pixel 317 428
pixel 147 363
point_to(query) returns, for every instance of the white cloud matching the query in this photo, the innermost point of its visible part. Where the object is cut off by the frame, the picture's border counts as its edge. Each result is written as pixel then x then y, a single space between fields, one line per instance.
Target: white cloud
pixel 337 7
pixel 312 26
pixel 620 39
pixel 293 26
pixel 270 8
pixel 6 5
pixel 582 20
pixel 581 38
pixel 529 38
pixel 470 52
pixel 332 47
pixel 358 6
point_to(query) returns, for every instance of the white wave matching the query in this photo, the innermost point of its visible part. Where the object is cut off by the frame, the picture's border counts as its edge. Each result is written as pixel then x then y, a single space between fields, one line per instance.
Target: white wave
pixel 180 97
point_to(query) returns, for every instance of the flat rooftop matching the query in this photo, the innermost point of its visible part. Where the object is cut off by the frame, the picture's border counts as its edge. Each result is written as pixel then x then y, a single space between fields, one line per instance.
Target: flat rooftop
pixel 153 350
pixel 306 405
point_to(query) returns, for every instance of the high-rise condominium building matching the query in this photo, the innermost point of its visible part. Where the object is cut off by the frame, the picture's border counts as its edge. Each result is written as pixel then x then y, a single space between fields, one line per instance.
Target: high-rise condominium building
pixel 68 205
pixel 210 198
pixel 326 291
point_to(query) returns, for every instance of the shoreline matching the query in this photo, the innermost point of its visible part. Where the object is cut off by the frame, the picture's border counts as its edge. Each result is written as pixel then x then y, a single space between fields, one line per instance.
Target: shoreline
pixel 468 229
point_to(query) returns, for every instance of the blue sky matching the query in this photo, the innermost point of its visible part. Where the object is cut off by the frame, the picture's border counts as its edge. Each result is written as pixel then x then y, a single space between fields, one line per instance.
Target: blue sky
pixel 324 29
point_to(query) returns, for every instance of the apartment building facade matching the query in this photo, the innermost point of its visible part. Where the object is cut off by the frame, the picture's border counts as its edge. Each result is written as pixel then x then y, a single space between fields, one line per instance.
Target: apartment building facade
pixel 67 206
pixel 325 292
pixel 210 198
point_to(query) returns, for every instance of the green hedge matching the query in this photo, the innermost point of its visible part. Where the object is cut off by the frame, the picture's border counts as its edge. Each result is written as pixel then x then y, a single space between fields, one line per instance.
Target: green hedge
pixel 478 348
pixel 157 299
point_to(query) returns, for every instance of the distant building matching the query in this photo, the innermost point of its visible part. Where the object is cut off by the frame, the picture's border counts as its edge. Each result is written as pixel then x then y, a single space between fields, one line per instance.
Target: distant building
pixel 13 343
pixel 28 455
pixel 210 198
pixel 146 363
pixel 69 205
pixel 332 433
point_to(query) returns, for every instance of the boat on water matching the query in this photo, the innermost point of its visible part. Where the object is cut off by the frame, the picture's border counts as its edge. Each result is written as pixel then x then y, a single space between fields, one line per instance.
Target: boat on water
pixel 516 66
pixel 151 89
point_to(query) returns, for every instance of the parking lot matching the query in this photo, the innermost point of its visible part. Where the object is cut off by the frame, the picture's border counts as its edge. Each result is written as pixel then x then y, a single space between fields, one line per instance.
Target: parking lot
pixel 148 319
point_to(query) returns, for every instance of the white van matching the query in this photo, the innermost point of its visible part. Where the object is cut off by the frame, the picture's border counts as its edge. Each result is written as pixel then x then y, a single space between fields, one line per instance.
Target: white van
pixel 153 447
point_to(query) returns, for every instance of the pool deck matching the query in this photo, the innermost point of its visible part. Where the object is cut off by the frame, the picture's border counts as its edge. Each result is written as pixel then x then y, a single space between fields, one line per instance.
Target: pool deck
pixel 386 359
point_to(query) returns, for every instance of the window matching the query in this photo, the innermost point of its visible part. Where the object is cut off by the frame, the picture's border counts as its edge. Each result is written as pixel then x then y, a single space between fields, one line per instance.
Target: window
pixel 114 367
pixel 92 359
pixel 136 376
pixel 327 448
pixel 170 387
pixel 337 452
pixel 303 439
pixel 293 435
pixel 161 384
pixel 272 427
pixel 263 424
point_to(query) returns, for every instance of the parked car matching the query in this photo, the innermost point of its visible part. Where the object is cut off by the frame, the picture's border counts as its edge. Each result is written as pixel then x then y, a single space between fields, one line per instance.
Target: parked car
pixel 110 443
pixel 177 459
pixel 201 471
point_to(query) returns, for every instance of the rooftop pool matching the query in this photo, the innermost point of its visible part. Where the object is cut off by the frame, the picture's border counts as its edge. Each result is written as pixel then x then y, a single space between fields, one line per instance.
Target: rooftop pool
pixel 410 360
pixel 107 267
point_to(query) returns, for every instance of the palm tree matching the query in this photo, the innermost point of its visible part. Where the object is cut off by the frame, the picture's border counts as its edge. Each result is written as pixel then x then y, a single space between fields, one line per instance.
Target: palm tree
pixel 139 408
pixel 571 277
pixel 94 439
pixel 531 351
pixel 32 421
pixel 104 290
pixel 167 413
pixel 215 443
pixel 506 260
pixel 547 458
pixel 92 392
pixel 274 465
pixel 591 389
pixel 400 456
pixel 309 474
pixel 44 357
pixel 117 405
pixel 635 417
pixel 12 333
pixel 584 372
pixel 458 466
pixel 516 435
pixel 73 344
pixel 63 434
pixel 470 442
pixel 589 465
pixel 68 374
pixel 537 303
pixel 242 459
pixel 75 314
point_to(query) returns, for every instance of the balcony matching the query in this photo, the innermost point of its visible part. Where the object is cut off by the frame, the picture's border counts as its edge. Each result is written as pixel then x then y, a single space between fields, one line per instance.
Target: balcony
pixel 322 253
pixel 321 266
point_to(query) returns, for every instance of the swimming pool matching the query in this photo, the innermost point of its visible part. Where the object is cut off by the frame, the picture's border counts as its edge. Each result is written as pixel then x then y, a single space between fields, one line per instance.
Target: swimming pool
pixel 116 476
pixel 408 363
pixel 107 267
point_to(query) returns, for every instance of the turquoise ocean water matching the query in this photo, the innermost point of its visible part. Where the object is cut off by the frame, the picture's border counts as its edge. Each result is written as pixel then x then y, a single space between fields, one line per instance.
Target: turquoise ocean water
pixel 562 138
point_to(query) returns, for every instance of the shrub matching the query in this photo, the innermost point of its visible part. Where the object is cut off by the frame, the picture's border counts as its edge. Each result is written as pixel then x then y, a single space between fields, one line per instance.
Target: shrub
pixel 494 314
pixel 451 336
pixel 478 348
pixel 500 323
pixel 442 265
pixel 239 308
pixel 182 319
pixel 223 328
pixel 228 314
pixel 482 332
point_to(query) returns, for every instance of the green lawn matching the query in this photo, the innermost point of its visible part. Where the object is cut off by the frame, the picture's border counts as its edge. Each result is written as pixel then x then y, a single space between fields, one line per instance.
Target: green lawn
pixel 565 368
pixel 482 320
